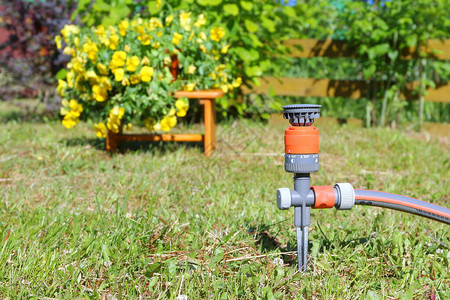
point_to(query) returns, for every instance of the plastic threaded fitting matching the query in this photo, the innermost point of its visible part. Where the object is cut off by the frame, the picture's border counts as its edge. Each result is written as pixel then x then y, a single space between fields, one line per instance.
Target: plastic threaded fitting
pixel 284 198
pixel 347 194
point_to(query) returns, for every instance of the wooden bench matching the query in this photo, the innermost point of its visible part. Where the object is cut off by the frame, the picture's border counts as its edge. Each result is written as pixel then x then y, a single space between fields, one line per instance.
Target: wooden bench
pixel 207 98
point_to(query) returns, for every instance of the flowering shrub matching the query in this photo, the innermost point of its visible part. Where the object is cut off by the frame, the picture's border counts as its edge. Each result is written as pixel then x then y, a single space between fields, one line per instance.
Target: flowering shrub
pixel 128 73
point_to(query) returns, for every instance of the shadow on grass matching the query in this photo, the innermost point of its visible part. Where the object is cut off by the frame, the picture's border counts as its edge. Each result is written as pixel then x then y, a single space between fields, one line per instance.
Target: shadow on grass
pixel 268 242
pixel 132 146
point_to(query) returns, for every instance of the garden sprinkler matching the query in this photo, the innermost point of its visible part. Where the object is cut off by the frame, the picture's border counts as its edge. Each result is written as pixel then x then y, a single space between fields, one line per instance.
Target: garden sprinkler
pixel 302 158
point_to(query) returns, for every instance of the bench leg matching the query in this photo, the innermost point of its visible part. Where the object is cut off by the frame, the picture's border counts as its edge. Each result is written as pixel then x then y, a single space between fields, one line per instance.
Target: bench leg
pixel 213 124
pixel 208 118
pixel 111 142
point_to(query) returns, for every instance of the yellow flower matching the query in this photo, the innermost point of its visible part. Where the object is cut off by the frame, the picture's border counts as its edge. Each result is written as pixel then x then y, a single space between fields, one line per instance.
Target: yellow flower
pixel 132 63
pixel 100 93
pixel 224 49
pixel 182 106
pixel 168 122
pixel 145 61
pixel 169 20
pixel 123 26
pixel 176 38
pixel 117 111
pixel 185 20
pixel 93 78
pixel 102 69
pixel 146 73
pixel 125 81
pixel 113 41
pixel 70 120
pixel 113 121
pixel 120 55
pixel 156 45
pixel 117 60
pixel 217 33
pixel 135 79
pixel 128 126
pixel 150 123
pixel 69 30
pixel 104 81
pixel 78 65
pixel 101 130
pixel 203 36
pixel 155 23
pixel 127 48
pixel 189 87
pixel 91 49
pixel 62 85
pixel 118 74
pixel 203 48
pixel 237 83
pixel 191 69
pixel 167 60
pixel 136 22
pixel 158 3
pixel 69 51
pixel 220 68
pixel 75 107
pixel 70 78
pixel 100 31
pixel 58 41
pixel 200 21
pixel 145 39
pixel 63 111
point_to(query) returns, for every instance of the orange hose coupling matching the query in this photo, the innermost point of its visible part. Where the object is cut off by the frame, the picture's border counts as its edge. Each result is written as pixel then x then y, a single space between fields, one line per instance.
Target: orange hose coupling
pixel 324 196
pixel 301 140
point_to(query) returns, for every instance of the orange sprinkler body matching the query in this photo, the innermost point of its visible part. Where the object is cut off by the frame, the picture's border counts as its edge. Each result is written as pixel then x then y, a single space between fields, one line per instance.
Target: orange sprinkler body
pixel 301 140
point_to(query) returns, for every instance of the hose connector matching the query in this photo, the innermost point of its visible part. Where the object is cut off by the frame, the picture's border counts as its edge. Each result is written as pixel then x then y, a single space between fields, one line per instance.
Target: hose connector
pixel 346 195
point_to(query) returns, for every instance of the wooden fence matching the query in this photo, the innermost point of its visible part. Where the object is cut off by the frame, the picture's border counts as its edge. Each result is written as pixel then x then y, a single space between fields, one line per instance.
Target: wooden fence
pixel 308 87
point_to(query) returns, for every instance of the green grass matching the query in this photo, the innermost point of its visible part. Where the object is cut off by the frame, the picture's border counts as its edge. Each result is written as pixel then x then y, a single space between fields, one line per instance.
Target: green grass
pixel 163 221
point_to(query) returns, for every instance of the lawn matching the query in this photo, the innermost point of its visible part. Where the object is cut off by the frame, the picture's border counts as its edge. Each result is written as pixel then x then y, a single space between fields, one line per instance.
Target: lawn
pixel 161 220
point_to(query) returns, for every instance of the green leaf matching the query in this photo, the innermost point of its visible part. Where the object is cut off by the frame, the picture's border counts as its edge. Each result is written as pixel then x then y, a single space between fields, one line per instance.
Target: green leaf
pixel 153 268
pixel 255 40
pixel 378 50
pixel 153 7
pixel 411 40
pixel 231 9
pixel 247 55
pixel 209 2
pixel 252 27
pixel 290 12
pixel 116 14
pixel 268 24
pixel 253 71
pixel 370 71
pixel 247 5
pixel 61 74
pixel 101 6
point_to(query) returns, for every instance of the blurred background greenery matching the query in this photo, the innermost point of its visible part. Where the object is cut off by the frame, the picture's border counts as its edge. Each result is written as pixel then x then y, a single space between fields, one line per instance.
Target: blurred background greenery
pixel 376 32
